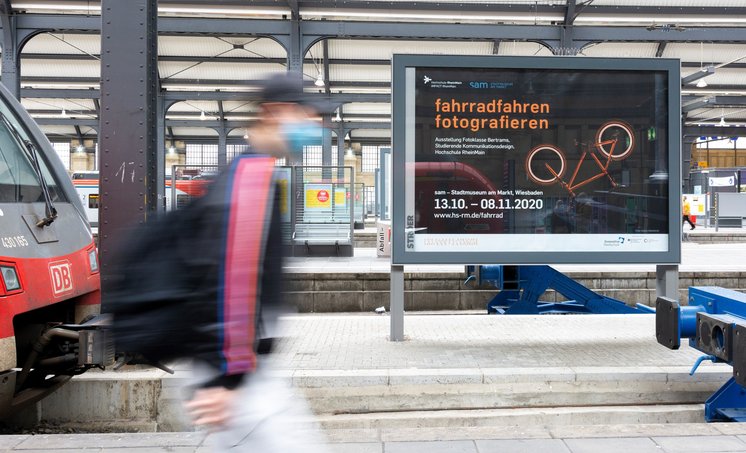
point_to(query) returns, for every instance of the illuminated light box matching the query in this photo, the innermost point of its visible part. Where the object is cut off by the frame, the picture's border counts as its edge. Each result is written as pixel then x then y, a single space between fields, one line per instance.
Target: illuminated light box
pixel 535 160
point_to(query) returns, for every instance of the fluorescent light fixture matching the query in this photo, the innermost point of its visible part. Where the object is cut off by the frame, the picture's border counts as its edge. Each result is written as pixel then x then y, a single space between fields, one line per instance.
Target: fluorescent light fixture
pixel 661 21
pixel 76 6
pixel 86 6
pixel 702 83
pixel 433 15
pixel 248 11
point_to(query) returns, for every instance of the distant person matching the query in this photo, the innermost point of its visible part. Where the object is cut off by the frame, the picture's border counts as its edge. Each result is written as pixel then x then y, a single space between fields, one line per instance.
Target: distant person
pixel 559 220
pixel 205 283
pixel 687 211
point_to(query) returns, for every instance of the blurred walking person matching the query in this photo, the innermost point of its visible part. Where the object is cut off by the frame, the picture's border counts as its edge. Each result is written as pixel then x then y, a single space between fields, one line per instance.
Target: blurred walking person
pixel 205 283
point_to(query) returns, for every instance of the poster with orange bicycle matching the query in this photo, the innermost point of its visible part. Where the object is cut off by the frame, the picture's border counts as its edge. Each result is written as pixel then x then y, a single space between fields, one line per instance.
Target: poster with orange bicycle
pixel 521 157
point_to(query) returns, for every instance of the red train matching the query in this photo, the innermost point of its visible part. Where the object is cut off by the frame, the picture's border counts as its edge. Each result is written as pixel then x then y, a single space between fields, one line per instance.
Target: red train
pixel 49 272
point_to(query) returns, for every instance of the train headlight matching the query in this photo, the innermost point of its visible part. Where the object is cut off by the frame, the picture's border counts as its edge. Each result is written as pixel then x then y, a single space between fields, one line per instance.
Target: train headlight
pixel 93 260
pixel 10 278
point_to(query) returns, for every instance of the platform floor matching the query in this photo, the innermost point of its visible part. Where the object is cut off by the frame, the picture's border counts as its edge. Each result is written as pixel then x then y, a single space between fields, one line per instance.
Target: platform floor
pixel 691 438
pixel 338 349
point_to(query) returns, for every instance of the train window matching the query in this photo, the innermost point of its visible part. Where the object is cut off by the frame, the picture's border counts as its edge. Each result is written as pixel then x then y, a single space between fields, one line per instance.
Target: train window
pixel 18 179
pixel 93 201
pixel 85 175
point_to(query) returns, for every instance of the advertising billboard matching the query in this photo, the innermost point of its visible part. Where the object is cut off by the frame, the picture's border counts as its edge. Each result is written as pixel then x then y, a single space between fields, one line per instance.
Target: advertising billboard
pixel 536 160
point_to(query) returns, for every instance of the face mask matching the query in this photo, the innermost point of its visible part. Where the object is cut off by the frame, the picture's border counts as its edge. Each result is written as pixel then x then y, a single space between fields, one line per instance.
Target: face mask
pixel 301 133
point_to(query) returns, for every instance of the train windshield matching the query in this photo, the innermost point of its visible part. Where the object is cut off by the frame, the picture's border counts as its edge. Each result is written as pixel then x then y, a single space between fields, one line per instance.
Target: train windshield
pixel 19 182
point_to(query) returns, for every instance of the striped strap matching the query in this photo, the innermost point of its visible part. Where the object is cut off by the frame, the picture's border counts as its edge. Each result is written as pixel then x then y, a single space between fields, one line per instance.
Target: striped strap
pixel 250 192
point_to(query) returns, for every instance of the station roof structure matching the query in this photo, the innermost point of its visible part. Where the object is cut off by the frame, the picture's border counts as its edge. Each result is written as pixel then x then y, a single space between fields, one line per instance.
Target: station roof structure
pixel 211 54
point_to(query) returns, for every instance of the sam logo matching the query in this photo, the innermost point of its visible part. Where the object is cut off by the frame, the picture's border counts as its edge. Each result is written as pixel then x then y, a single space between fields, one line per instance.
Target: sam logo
pixel 427 80
pixel 61 275
pixel 479 84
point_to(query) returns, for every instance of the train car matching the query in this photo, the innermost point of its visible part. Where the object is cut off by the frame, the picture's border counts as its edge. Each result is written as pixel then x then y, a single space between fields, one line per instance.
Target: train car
pixel 49 272
pixel 86 184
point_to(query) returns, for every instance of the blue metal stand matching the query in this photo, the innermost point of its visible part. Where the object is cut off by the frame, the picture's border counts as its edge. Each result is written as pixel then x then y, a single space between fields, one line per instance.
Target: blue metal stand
pixel 714 321
pixel 727 404
pixel 522 286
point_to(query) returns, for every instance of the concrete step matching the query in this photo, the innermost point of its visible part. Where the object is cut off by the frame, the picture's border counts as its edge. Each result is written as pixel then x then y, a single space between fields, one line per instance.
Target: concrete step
pixel 363 391
pixel 143 400
pixel 549 416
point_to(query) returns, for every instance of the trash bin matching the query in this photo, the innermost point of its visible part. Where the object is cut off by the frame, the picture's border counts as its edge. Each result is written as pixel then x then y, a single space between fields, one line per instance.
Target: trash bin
pixel 383 238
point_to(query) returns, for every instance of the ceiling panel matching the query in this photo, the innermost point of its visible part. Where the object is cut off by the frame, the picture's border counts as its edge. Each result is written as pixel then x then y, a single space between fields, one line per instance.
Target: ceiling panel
pixel 64 43
pixel 212 71
pixel 360 73
pixel 68 131
pixel 381 108
pixel 180 132
pixel 372 133
pixel 384 49
pixel 523 48
pixel 705 53
pixel 208 46
pixel 60 68
pixel 70 105
pixel 723 76
pixel 623 50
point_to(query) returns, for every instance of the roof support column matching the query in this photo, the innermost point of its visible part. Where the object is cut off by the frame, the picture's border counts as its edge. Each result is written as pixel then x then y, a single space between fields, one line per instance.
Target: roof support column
pixel 295 50
pixel 222 137
pixel 128 141
pixel 567 41
pixel 160 151
pixel 341 132
pixel 687 141
pixel 326 145
pixel 11 72
pixel 222 145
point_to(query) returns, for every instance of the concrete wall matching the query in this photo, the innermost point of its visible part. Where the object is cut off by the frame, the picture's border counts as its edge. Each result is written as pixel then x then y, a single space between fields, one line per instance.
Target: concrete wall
pixel 330 292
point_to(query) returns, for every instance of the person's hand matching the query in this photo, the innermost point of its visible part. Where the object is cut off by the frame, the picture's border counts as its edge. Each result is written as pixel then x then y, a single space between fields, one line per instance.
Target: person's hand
pixel 211 407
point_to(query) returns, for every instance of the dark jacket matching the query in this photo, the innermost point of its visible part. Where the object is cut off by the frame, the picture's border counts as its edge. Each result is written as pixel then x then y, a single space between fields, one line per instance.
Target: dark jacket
pixel 201 282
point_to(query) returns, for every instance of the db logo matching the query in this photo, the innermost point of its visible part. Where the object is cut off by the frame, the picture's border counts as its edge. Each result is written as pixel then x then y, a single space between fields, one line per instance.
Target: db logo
pixel 61 274
pixel 323 196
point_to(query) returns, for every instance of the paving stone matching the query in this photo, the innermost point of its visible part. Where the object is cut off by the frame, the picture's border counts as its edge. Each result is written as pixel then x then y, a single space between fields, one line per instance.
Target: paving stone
pixel 9 441
pixel 80 441
pixel 150 450
pixel 364 447
pixel 633 430
pixel 522 446
pixel 449 446
pixel 700 444
pixel 612 445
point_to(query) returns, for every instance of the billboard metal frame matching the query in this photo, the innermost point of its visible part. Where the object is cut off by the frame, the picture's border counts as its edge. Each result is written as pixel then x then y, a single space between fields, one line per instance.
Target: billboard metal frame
pixel 403 90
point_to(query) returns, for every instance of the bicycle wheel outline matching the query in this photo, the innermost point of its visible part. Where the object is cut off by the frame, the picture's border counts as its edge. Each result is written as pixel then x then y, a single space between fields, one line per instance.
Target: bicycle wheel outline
pixel 627 128
pixel 553 179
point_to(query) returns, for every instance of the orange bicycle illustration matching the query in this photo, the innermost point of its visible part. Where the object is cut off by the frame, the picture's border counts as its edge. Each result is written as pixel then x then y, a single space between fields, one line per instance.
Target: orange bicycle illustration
pixel 615 141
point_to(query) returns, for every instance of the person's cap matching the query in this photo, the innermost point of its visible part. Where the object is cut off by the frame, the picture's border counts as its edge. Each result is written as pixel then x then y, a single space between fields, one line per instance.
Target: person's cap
pixel 288 87
pixel 282 87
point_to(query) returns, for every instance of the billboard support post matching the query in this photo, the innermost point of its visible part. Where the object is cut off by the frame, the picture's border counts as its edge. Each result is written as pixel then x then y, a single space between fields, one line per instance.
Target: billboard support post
pixel 667 281
pixel 397 303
